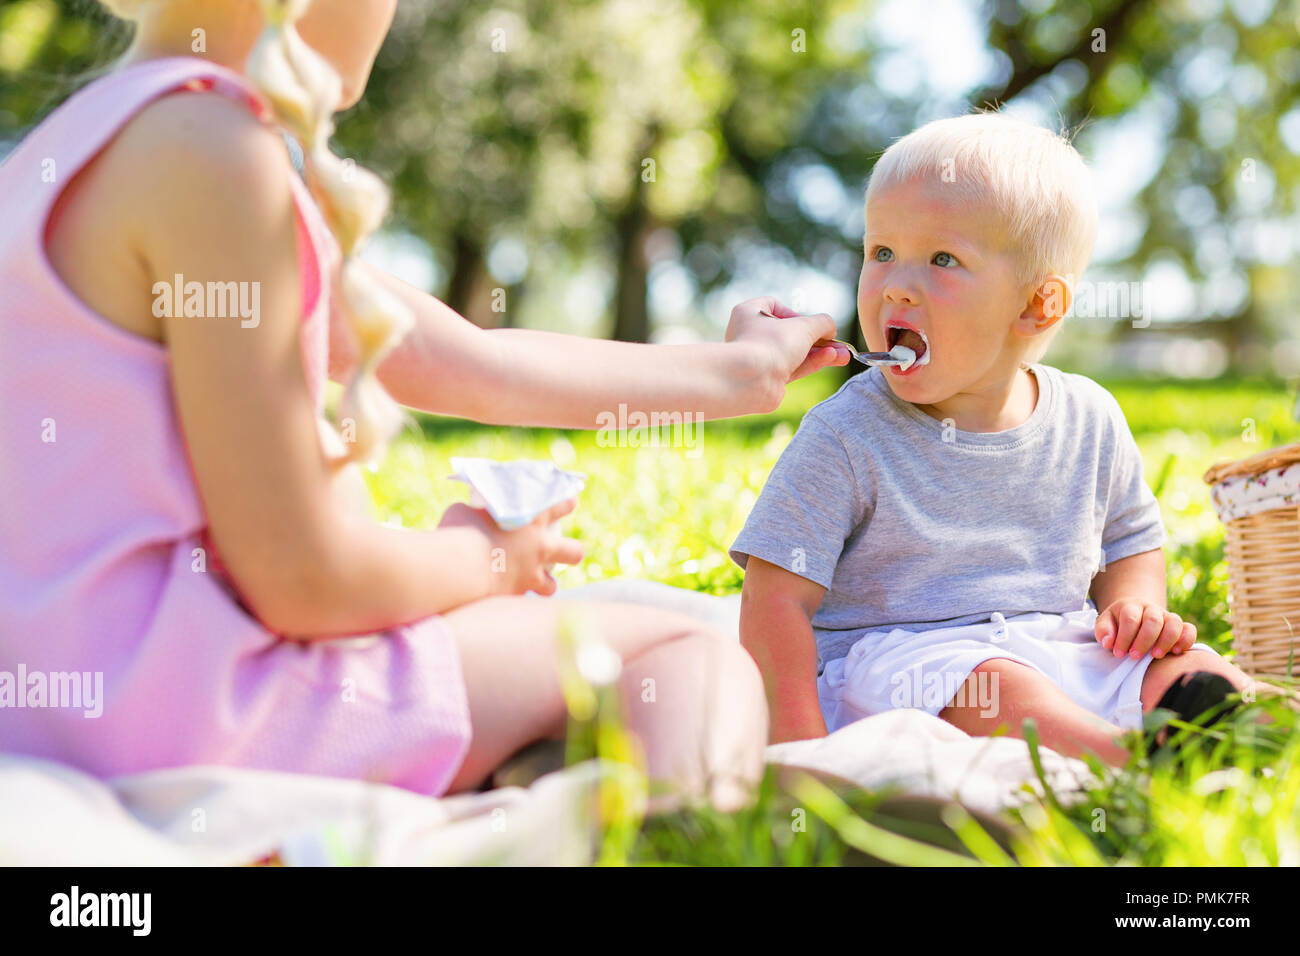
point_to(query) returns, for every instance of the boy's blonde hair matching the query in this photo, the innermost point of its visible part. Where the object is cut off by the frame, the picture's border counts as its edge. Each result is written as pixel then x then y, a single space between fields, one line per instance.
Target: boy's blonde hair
pixel 304 91
pixel 1034 181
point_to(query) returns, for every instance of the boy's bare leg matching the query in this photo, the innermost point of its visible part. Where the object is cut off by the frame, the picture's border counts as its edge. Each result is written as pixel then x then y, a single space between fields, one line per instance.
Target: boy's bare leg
pixel 1013 691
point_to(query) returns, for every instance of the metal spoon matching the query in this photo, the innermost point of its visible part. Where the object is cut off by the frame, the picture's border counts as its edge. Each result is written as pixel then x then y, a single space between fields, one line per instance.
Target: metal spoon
pixel 898 355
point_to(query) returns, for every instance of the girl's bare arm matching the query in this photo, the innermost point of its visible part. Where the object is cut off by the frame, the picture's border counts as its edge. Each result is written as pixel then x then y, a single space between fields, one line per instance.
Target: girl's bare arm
pixel 214 205
pixel 449 366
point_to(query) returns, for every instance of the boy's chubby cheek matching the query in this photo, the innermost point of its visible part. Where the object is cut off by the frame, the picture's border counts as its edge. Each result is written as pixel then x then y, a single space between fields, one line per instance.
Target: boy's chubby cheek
pixel 870 322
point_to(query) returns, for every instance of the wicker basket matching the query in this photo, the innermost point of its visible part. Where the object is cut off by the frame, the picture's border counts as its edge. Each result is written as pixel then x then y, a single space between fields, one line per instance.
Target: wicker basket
pixel 1263 555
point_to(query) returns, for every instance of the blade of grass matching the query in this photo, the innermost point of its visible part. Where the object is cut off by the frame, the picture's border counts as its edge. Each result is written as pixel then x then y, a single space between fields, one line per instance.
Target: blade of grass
pixel 974 837
pixel 871 840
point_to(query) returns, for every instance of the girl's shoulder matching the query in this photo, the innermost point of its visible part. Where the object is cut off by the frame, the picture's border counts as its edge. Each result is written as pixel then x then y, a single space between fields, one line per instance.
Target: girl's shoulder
pixel 153 184
pixel 199 124
pixel 188 147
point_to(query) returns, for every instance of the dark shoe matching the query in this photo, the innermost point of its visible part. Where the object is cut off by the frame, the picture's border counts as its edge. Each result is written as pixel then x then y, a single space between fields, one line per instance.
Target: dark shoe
pixel 1194 694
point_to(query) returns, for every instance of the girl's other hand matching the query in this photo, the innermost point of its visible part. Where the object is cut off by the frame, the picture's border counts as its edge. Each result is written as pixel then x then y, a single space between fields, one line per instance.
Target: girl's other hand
pixel 789 339
pixel 521 560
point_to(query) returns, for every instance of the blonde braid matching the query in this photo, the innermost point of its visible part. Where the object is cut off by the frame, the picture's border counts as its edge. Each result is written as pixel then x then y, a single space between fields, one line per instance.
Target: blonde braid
pixel 304 91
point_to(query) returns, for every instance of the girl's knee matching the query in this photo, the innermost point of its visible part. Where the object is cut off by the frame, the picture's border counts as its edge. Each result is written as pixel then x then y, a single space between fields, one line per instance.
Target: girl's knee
pixel 704 681
pixel 714 659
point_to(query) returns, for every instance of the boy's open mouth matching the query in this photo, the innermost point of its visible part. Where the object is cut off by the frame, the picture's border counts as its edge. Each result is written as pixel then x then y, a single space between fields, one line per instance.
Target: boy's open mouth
pixel 896 333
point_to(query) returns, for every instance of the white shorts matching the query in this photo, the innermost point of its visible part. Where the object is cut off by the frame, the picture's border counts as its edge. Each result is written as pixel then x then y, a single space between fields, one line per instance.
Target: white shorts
pixel 889 669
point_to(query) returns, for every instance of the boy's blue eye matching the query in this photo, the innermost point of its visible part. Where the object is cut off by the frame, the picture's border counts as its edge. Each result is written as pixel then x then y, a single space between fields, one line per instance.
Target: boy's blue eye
pixel 885 254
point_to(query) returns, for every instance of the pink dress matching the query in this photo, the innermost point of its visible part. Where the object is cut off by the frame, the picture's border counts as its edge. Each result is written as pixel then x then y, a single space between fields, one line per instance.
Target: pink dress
pixel 99 529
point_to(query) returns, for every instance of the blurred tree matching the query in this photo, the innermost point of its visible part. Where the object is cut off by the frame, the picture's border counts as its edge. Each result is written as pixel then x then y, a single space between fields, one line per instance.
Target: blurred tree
pixel 47 50
pixel 526 137
pixel 594 123
pixel 1221 87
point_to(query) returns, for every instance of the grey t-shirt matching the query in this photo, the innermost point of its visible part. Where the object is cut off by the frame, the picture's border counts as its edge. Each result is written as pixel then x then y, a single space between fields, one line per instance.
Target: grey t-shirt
pixel 910 522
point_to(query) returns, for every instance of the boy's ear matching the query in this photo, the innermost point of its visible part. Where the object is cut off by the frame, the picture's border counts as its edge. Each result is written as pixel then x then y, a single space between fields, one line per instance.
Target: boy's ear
pixel 1048 303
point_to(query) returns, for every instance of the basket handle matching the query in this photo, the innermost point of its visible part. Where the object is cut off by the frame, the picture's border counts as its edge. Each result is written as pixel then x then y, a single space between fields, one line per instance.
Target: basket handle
pixel 1263 461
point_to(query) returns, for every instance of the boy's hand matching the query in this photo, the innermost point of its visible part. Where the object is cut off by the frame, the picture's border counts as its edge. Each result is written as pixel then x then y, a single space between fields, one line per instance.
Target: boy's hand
pixel 1135 627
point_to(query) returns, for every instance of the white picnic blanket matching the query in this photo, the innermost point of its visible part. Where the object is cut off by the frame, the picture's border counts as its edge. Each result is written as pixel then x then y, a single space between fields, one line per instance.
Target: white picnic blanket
pixel 51 814
pixel 907 749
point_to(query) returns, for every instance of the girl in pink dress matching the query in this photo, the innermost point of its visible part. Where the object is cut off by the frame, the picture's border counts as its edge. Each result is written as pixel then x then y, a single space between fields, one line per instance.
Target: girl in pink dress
pixel 184 539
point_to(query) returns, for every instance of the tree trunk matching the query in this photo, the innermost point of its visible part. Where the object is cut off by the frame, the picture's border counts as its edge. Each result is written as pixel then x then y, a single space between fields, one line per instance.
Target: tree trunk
pixel 631 310
pixel 466 267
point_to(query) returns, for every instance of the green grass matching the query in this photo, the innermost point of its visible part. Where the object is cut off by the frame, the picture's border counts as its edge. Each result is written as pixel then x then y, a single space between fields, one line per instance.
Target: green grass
pixel 662 514
pixel 668 515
